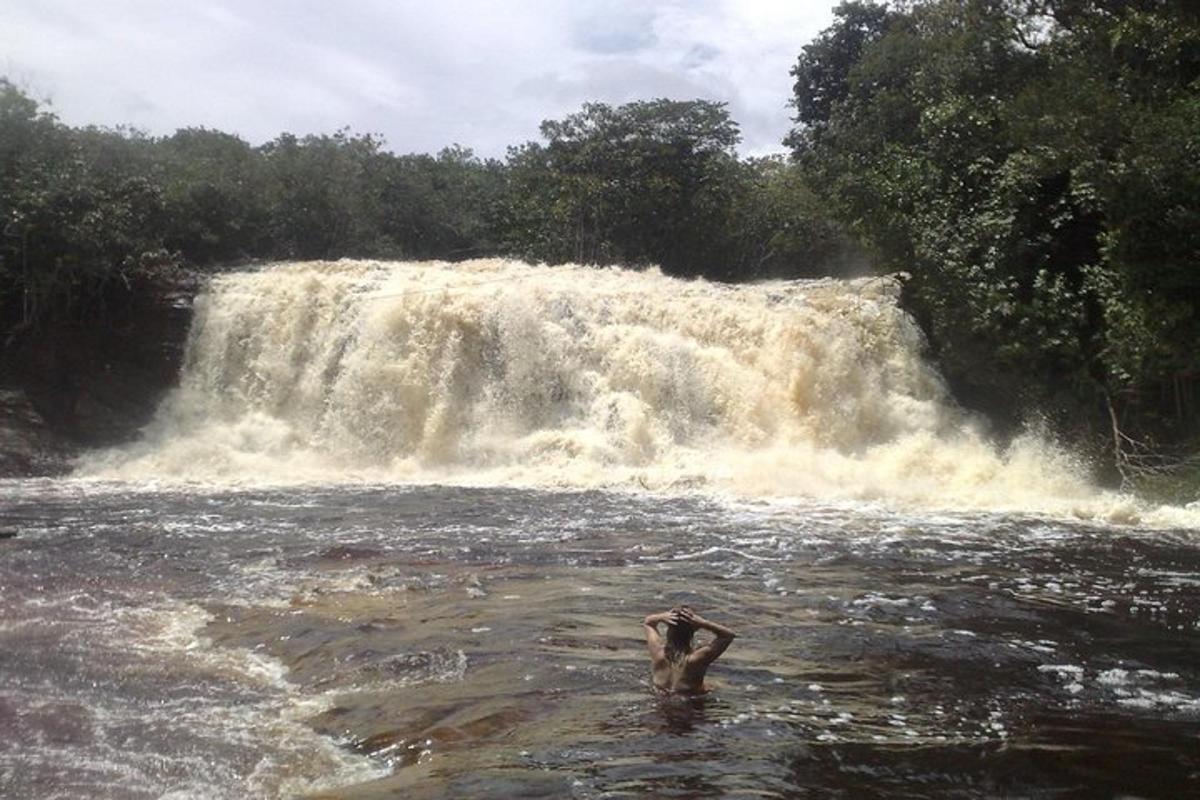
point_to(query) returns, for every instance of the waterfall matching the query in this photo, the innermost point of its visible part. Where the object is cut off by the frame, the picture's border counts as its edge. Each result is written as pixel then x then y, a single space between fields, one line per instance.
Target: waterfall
pixel 503 373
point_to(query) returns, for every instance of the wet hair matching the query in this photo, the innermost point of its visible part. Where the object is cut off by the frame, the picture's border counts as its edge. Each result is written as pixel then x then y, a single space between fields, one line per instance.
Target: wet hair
pixel 679 638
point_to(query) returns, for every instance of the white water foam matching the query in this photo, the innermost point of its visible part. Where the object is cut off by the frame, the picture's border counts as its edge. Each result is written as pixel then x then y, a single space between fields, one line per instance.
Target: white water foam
pixel 500 373
pixel 187 720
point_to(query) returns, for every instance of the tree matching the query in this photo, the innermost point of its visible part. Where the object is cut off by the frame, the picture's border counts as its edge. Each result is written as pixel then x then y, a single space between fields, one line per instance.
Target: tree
pixel 1034 165
pixel 80 208
pixel 215 195
pixel 823 71
pixel 324 194
pixel 646 182
pixel 779 227
pixel 440 206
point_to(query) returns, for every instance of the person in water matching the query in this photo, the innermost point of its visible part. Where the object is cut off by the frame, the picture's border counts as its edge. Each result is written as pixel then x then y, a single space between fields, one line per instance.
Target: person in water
pixel 678 665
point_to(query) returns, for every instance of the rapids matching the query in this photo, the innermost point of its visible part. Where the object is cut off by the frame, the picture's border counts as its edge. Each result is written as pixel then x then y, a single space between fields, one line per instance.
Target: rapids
pixel 361 642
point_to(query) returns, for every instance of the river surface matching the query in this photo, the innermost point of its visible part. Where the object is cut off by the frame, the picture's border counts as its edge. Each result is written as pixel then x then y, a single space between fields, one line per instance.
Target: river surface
pixel 382 641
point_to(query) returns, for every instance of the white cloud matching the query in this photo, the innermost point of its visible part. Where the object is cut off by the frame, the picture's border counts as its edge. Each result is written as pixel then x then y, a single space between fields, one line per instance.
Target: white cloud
pixel 482 74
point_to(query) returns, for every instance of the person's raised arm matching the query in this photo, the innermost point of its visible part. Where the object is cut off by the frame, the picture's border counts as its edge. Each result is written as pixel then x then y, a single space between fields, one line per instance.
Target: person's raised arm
pixel 709 653
pixel 654 641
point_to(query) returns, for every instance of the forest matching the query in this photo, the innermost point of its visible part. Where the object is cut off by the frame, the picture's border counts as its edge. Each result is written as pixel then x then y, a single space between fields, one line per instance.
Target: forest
pixel 1031 166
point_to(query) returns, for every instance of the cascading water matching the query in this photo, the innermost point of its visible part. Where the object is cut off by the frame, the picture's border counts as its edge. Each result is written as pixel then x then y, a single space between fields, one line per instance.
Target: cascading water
pixel 247 604
pixel 502 373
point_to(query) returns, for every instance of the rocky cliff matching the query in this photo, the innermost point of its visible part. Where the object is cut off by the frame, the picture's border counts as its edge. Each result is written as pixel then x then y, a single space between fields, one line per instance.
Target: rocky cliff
pixel 92 382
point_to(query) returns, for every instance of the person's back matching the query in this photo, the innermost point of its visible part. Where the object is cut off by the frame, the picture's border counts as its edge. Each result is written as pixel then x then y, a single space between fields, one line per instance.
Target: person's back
pixel 677 666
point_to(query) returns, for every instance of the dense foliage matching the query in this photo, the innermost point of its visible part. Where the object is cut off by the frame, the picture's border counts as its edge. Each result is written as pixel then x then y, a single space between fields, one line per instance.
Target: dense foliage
pixel 1035 164
pixel 646 183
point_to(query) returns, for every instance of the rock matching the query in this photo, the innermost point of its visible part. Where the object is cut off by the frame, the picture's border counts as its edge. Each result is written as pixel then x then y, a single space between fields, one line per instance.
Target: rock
pixel 92 383
pixel 28 446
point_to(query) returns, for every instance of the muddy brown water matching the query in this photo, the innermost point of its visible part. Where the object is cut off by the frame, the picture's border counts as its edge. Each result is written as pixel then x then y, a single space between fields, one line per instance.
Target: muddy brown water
pixel 375 642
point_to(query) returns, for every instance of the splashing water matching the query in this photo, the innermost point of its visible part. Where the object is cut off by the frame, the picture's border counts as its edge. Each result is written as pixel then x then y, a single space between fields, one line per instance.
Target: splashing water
pixel 500 373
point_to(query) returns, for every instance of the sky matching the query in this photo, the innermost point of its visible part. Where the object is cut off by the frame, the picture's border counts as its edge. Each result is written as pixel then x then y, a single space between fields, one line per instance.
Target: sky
pixel 423 74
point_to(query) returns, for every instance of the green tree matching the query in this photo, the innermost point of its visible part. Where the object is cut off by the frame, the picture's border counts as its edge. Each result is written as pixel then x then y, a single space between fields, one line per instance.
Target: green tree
pixel 440 206
pixel 1034 165
pixel 646 182
pixel 779 227
pixel 80 208
pixel 324 195
pixel 215 195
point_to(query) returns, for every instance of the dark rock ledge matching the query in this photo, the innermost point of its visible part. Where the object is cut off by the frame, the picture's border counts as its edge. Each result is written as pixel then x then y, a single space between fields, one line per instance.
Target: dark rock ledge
pixel 96 383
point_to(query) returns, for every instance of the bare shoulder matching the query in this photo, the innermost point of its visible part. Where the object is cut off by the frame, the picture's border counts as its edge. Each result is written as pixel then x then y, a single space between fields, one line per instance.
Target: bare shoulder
pixel 701 657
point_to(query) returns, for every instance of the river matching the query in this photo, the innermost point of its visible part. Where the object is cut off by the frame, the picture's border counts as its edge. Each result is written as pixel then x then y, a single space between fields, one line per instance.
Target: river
pixel 450 642
pixel 395 532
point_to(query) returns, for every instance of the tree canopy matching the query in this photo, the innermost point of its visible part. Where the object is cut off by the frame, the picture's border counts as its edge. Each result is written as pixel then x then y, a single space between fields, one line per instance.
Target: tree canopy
pixel 651 182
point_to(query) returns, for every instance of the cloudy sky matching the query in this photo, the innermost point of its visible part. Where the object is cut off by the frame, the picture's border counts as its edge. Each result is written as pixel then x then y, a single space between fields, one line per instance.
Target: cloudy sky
pixel 424 74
